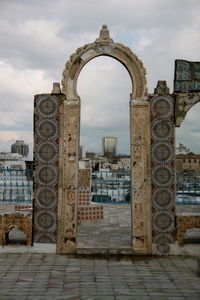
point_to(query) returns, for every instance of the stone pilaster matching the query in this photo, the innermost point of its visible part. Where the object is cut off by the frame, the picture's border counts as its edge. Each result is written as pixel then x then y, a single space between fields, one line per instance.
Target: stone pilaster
pixel 68 180
pixel 141 176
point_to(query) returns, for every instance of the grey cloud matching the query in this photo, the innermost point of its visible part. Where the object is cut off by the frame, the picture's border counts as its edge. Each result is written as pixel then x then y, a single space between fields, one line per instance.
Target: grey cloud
pixel 157 31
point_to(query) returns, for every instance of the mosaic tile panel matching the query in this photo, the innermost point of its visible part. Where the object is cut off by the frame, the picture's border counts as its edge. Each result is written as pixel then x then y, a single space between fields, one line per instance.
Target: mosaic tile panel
pixel 163 189
pixel 46 135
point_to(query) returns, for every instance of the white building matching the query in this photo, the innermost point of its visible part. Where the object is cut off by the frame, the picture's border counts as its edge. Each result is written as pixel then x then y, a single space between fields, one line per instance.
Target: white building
pixel 182 149
pixel 15 185
pixel 12 161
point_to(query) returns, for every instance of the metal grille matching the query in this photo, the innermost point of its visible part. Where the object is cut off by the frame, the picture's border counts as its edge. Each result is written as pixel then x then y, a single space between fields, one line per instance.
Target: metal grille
pixel 16 185
pixel 111 187
pixel 188 188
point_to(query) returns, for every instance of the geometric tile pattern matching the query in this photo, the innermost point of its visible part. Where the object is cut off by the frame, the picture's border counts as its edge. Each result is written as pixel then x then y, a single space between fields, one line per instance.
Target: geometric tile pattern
pixel 90 213
pixel 163 188
pixel 84 196
pixel 46 135
pixel 86 210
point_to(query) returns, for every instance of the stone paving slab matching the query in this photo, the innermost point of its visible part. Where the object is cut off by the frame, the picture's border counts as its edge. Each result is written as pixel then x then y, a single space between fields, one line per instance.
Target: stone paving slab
pixel 53 276
pixel 108 235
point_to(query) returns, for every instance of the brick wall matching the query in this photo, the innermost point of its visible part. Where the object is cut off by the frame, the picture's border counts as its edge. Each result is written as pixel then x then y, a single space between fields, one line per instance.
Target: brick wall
pixel 86 210
pixel 183 223
pixel 22 221
pixel 84 178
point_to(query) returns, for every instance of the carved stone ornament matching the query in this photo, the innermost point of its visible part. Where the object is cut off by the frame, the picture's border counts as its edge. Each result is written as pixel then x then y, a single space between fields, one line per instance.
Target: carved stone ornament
pixel 56 88
pixel 104 35
pixel 103 45
pixel 161 87
pixel 141 176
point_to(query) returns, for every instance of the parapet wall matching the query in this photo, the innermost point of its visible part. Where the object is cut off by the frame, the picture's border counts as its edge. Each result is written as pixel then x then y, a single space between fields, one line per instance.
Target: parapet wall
pixel 22 221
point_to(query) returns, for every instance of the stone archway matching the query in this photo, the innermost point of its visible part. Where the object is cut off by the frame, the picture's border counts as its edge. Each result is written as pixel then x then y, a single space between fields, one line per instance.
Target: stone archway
pixel 69 137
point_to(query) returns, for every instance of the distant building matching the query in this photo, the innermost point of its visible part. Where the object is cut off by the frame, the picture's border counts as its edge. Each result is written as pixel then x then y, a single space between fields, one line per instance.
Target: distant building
pixel 90 154
pixel 21 148
pixel 15 180
pixel 187 162
pixel 81 152
pixel 109 146
pixel 11 161
pixel 29 168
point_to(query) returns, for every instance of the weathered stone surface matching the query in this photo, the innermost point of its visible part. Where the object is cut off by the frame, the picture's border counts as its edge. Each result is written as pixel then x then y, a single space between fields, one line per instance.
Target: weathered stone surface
pixel 161 87
pixel 70 134
pixel 56 88
pixel 68 176
pixel 183 223
pixel 183 102
pixel 21 221
pixel 141 176
pixel 103 46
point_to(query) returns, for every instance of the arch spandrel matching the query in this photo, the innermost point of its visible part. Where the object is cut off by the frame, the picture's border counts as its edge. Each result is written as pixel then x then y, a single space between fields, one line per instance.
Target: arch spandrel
pixel 104 46
pixel 183 103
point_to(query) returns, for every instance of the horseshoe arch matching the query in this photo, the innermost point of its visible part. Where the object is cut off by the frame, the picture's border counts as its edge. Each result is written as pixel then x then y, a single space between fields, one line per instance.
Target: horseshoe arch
pixel 69 138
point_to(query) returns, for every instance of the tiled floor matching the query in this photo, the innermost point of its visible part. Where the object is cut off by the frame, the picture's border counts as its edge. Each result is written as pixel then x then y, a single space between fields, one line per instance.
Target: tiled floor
pixel 57 277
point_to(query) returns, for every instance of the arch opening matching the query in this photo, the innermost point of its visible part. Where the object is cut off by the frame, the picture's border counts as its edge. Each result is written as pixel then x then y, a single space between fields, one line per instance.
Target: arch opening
pixel 15 236
pixel 189 133
pixel 103 86
pixel 187 161
pixel 105 57
pixel 192 236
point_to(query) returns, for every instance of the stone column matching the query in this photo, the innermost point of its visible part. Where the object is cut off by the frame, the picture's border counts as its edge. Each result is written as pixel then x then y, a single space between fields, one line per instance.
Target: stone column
pixel 141 175
pixel 68 176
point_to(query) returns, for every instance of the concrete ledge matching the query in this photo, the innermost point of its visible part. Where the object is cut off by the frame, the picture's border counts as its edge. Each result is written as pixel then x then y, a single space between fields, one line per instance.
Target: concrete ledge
pixel 36 248
pixel 104 251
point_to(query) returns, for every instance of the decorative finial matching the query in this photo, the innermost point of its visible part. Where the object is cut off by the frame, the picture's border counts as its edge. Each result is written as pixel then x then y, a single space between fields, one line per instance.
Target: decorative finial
pixel 161 87
pixel 104 35
pixel 56 88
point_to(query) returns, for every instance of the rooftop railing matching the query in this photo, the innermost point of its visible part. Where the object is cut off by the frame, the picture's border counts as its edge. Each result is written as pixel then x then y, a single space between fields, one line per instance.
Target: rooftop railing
pixel 16 185
pixel 111 186
pixel 188 188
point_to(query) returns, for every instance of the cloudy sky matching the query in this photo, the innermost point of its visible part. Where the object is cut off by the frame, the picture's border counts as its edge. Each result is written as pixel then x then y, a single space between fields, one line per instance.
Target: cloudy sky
pixel 37 37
